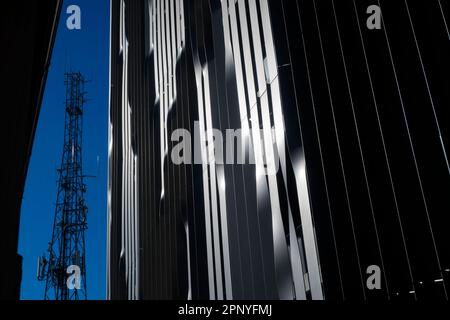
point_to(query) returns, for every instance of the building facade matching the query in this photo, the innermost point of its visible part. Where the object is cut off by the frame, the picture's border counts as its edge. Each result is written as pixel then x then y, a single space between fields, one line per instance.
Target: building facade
pixel 27 37
pixel 346 126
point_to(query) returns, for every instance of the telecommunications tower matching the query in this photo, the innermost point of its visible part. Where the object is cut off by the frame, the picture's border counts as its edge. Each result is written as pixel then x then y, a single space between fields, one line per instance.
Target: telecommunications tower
pixel 63 268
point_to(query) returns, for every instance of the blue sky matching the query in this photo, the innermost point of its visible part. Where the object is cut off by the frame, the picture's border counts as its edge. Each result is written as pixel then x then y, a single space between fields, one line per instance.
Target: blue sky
pixel 87 51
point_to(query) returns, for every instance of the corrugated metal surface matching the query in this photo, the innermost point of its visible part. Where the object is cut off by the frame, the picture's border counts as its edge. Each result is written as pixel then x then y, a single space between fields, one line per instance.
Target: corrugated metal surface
pixel 356 117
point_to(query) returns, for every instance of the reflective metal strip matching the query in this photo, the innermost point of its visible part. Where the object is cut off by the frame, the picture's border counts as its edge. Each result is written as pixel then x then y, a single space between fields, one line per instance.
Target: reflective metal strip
pixel 109 177
pixel 186 229
pixel 151 6
pixel 296 263
pixel 212 182
pixel 173 52
pixel 136 226
pixel 183 41
pixel 160 64
pixel 308 234
pixel 268 41
pixel 209 253
pixel 239 71
pixel 178 27
pixel 156 50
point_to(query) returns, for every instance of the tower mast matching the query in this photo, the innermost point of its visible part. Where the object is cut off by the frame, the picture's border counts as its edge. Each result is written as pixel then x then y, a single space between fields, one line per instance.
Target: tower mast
pixel 64 267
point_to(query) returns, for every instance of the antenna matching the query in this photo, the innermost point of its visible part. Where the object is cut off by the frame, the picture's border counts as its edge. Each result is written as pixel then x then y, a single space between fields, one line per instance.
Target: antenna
pixel 67 246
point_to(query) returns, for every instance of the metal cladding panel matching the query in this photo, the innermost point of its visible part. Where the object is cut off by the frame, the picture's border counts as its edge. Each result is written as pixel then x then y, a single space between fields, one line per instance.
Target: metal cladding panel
pixel 345 127
pixel 367 109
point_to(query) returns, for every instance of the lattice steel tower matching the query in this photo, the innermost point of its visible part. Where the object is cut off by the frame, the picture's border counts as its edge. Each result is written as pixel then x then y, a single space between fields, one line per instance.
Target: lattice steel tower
pixel 64 266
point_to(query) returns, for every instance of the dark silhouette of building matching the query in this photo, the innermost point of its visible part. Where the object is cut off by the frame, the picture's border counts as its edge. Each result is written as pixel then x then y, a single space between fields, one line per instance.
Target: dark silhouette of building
pixel 27 33
pixel 358 118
